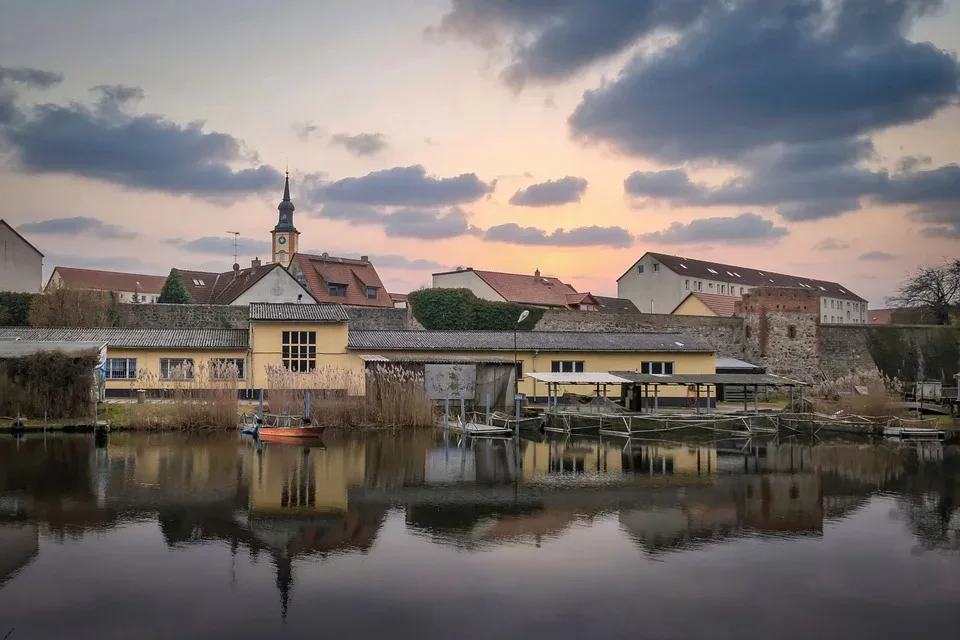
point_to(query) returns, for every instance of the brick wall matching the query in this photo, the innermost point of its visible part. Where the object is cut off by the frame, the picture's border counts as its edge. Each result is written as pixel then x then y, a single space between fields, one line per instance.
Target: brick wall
pixel 723 334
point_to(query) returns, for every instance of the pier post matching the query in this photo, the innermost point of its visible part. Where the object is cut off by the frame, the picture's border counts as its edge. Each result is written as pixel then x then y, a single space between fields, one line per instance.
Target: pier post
pixel 446 412
pixel 306 404
pixel 260 406
pixel 709 410
pixel 463 413
pixel 698 398
pixel 756 398
pixel 656 399
pixel 488 410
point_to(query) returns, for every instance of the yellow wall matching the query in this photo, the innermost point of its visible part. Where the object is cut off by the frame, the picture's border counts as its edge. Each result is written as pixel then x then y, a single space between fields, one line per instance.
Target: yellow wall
pixel 693 306
pixel 266 340
pixel 592 361
pixel 149 359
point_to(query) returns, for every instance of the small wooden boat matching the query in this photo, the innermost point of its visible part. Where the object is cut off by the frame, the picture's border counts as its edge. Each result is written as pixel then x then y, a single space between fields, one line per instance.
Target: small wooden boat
pixel 289 432
pixel 295 441
pixel 278 427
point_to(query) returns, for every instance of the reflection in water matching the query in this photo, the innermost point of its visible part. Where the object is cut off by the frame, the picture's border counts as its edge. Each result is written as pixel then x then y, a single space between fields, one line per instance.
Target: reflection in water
pixel 301 506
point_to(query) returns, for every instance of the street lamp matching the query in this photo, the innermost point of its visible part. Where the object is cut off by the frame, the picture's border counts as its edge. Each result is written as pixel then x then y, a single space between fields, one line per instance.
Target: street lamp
pixel 516 377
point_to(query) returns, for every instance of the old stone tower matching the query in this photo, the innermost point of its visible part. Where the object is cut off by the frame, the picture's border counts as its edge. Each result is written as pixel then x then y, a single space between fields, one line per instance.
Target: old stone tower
pixel 782 330
pixel 286 238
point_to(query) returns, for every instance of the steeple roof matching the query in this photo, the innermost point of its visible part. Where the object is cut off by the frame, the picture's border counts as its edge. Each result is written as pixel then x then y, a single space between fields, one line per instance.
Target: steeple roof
pixel 286 204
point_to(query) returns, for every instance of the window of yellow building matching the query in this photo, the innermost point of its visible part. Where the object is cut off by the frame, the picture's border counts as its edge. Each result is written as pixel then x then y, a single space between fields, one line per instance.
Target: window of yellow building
pixel 176 368
pixel 657 368
pixel 121 369
pixel 226 368
pixel 300 350
pixel 567 366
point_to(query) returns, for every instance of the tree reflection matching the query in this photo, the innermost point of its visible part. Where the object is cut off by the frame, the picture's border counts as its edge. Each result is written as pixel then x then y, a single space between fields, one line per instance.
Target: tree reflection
pixel 930 503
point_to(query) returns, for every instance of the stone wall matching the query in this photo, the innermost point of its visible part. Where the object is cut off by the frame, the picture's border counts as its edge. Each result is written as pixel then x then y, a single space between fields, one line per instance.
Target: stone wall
pixel 373 318
pixel 182 316
pixel 782 331
pixel 723 334
pixel 905 352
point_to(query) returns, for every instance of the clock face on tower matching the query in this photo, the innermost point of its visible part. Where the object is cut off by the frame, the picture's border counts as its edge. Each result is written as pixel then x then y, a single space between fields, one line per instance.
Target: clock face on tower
pixel 282 240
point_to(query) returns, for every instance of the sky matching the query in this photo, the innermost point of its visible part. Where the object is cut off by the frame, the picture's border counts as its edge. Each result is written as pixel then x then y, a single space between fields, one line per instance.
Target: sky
pixel 813 137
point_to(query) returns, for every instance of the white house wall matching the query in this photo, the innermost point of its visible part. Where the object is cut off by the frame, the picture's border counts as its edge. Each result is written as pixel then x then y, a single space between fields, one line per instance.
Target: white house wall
pixel 466 279
pixel 20 266
pixel 276 286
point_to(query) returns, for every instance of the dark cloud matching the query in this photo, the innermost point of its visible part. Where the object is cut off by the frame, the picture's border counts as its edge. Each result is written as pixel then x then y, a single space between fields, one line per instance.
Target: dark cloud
pixel 753 73
pixel 221 245
pixel 877 256
pixel 831 244
pixel 939 221
pixel 402 187
pixel 77 226
pixel 910 163
pixel 393 261
pixel 615 237
pixel 744 229
pixel 670 184
pixel 361 144
pixel 551 193
pixel 552 40
pixel 105 142
pixel 403 222
pixel 33 78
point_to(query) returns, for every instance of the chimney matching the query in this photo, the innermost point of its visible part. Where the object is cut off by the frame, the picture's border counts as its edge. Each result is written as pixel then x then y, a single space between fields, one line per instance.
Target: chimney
pixel 364 258
pixel 536 275
pixel 255 262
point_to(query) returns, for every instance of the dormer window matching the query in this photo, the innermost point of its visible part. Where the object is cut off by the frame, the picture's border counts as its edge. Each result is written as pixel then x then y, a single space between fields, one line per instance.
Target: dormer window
pixel 337 290
pixel 371 293
pixel 197 282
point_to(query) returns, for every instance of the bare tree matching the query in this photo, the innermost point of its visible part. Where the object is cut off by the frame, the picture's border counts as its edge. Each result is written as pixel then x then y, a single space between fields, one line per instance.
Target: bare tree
pixel 935 291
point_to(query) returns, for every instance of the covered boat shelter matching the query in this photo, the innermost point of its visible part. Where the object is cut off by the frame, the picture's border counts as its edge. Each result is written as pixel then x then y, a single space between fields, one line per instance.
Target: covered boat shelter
pixel 642 390
pixel 600 380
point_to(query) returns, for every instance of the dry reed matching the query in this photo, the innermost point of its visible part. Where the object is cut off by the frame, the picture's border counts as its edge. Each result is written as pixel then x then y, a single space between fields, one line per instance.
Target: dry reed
pixel 192 399
pixel 387 397
pixel 863 393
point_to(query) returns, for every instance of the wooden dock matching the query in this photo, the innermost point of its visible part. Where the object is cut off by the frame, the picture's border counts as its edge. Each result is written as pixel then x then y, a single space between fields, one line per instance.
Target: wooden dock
pixel 474 429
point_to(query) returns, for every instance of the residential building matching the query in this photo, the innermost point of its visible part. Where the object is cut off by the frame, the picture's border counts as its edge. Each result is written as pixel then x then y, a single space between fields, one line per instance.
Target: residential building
pixel 21 263
pixel 659 283
pixel 302 338
pixel 257 283
pixel 399 300
pixel 129 287
pixel 706 304
pixel 615 305
pixel 881 316
pixel 534 290
pixel 341 280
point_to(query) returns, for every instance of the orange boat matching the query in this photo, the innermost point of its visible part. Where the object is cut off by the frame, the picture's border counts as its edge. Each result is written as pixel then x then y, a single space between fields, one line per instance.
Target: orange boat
pixel 286 433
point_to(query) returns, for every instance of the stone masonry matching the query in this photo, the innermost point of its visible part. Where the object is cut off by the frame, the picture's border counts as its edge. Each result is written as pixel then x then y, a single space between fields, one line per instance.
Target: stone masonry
pixel 781 330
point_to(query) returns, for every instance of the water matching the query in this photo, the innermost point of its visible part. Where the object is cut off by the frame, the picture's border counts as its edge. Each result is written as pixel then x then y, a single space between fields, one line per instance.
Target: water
pixel 206 536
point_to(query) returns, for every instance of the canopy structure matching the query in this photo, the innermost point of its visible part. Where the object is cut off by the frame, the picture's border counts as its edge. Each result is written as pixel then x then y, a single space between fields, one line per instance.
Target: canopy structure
pixel 583 377
pixel 712 379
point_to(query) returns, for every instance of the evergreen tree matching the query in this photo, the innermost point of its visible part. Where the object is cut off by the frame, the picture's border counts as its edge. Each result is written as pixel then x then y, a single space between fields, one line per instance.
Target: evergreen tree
pixel 174 290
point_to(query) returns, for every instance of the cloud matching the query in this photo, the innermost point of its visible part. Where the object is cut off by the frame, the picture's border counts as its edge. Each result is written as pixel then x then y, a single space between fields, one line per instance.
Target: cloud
pixel 671 184
pixel 615 237
pixel 33 78
pixel 551 41
pixel 305 130
pixel 428 225
pixel 910 163
pixel 877 256
pixel 752 73
pixel 831 244
pixel 106 142
pixel 551 193
pixel 221 245
pixel 939 221
pixel 77 226
pixel 744 229
pixel 361 144
pixel 393 261
pixel 402 187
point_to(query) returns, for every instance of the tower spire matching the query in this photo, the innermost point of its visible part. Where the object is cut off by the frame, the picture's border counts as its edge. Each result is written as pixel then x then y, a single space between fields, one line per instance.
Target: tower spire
pixel 286 187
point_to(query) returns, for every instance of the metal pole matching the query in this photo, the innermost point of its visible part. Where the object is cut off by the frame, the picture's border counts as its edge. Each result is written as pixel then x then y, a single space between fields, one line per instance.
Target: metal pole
pixel 488 408
pixel 756 399
pixel 260 405
pixel 306 404
pixel 709 410
pixel 446 412
pixel 698 398
pixel 656 399
pixel 463 413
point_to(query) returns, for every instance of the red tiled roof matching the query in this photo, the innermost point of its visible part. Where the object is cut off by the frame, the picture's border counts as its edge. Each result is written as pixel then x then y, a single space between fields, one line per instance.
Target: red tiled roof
pixel 398 297
pixel 321 271
pixel 19 235
pixel 531 289
pixel 223 288
pixel 109 280
pixel 880 316
pixel 723 306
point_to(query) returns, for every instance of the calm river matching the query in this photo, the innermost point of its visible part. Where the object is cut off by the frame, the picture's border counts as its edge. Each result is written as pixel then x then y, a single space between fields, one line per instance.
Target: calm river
pixel 207 536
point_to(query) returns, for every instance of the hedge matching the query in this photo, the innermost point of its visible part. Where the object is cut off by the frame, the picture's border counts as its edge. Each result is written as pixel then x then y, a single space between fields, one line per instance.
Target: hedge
pixel 50 383
pixel 460 309
pixel 14 308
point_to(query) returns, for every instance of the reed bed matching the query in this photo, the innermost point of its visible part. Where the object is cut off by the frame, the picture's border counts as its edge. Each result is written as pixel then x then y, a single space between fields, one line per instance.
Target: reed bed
pixel 845 394
pixel 207 397
pixel 386 397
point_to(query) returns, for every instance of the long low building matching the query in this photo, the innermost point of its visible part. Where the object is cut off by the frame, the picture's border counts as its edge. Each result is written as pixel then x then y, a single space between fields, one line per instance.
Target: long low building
pixel 302 340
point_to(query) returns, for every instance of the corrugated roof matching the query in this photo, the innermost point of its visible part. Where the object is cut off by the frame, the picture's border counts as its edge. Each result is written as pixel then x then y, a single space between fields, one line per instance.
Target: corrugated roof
pixel 713 379
pixel 621 305
pixel 584 377
pixel 291 312
pixel 400 358
pixel 98 280
pixel 526 341
pixel 25 348
pixel 20 235
pixel 747 276
pixel 137 338
pixel 723 306
pixel 323 270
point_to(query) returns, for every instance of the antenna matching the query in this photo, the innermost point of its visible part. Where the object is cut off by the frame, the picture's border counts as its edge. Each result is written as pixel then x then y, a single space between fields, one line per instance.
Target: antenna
pixel 236 245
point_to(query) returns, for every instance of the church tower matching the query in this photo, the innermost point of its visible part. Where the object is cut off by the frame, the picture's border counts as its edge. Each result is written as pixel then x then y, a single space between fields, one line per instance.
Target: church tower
pixel 285 235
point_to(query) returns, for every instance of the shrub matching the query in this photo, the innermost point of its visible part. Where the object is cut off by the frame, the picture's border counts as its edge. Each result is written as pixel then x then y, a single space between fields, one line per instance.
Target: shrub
pixel 174 290
pixel 64 307
pixel 14 308
pixel 460 309
pixel 47 383
pixel 387 397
